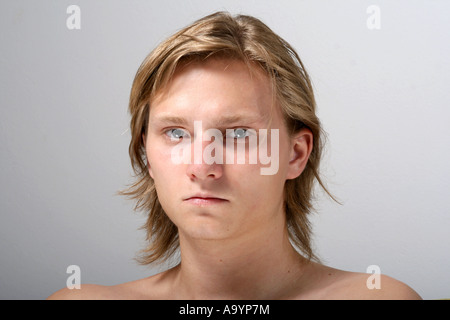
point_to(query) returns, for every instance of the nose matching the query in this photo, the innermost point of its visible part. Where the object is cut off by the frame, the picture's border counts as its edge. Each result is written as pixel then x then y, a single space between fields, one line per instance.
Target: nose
pixel 204 171
pixel 199 169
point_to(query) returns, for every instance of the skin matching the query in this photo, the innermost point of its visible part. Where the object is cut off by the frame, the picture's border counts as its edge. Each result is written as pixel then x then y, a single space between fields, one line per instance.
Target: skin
pixel 234 242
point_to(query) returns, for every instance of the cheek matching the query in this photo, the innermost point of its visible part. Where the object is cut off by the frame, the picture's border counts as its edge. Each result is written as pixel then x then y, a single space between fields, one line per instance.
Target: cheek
pixel 256 190
pixel 159 162
pixel 166 177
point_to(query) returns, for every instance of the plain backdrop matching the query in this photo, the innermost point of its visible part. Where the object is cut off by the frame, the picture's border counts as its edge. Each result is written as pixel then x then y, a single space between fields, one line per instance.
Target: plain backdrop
pixel 383 100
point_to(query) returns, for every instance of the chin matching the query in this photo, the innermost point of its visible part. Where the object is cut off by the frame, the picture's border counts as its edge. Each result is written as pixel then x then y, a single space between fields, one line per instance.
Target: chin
pixel 205 228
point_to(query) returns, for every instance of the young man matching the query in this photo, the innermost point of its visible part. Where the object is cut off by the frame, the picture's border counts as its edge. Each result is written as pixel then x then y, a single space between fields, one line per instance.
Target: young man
pixel 226 146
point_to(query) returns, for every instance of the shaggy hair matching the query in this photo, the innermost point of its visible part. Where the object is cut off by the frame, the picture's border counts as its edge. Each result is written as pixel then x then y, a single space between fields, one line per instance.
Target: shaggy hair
pixel 249 40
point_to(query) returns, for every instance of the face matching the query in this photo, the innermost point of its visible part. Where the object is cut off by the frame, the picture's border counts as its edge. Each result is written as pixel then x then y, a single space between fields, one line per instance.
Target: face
pixel 225 198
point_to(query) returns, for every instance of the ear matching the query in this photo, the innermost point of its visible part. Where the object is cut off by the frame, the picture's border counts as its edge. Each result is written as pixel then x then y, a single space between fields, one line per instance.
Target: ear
pixel 144 142
pixel 300 149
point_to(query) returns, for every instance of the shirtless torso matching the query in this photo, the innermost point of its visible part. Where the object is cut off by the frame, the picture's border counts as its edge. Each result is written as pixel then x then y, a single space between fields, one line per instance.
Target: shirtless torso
pixel 318 283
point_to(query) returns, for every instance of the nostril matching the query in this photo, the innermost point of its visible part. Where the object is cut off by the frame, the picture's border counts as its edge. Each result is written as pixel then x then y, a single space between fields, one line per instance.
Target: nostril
pixel 203 171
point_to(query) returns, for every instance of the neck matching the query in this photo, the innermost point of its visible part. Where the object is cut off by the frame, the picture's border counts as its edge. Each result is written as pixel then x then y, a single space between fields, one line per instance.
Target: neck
pixel 262 266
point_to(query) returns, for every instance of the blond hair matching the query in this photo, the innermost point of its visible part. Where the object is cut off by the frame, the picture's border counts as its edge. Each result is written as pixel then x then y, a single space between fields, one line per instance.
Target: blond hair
pixel 249 40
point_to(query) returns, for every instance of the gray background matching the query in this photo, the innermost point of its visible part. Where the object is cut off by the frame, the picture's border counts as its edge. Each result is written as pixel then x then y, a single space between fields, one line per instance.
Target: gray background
pixel 382 95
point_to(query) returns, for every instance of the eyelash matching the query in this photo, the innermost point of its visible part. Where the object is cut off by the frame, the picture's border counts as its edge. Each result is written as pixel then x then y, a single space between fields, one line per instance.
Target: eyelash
pixel 170 131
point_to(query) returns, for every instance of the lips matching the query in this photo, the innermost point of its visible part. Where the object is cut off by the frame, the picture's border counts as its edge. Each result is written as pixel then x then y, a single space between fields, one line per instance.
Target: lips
pixel 204 199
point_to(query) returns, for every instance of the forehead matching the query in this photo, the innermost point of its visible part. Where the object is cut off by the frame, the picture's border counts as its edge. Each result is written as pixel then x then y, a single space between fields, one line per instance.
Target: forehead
pixel 225 87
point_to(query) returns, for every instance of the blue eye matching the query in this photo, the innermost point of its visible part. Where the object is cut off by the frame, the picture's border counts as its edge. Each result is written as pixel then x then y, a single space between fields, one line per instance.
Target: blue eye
pixel 177 134
pixel 238 133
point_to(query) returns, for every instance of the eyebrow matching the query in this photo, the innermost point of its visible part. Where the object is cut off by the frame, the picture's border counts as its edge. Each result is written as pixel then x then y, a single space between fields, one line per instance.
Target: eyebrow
pixel 169 119
pixel 223 121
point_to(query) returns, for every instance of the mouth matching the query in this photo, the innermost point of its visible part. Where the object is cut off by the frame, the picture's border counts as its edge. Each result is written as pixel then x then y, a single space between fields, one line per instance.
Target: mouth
pixel 204 200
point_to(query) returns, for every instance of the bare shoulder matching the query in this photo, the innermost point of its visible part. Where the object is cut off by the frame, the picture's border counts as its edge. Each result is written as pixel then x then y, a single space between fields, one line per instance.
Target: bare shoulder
pixel 85 292
pixel 362 287
pixel 345 285
pixel 142 289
